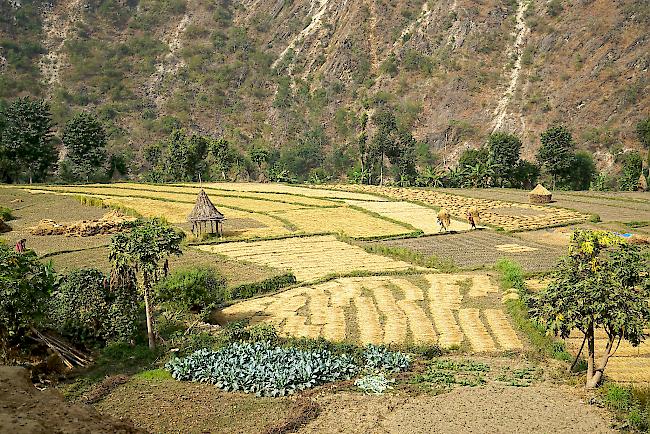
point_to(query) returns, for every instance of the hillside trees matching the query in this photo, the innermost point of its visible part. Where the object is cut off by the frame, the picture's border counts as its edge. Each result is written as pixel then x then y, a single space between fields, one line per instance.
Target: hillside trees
pixel 504 151
pixel 139 260
pixel 27 149
pixel 643 132
pixel 557 152
pixel 85 139
pixel 601 284
pixel 631 172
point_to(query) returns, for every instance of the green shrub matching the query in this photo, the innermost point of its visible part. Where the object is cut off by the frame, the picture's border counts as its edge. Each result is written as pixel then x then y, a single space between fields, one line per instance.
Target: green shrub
pixel 5 214
pixel 84 309
pixel 25 286
pixel 192 289
pixel 512 275
pixel 275 283
pixel 630 404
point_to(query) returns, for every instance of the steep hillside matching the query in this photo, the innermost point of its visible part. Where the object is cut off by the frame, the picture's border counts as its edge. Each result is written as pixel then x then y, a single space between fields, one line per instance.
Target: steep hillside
pixel 280 71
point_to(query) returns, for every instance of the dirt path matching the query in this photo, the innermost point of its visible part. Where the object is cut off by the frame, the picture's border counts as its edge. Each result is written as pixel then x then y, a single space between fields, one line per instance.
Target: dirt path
pixel 467 410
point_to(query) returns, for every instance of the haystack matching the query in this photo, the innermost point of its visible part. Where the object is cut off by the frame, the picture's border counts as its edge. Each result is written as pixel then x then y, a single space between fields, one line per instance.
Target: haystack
pixel 111 222
pixel 204 214
pixel 540 195
pixel 643 183
pixel 444 219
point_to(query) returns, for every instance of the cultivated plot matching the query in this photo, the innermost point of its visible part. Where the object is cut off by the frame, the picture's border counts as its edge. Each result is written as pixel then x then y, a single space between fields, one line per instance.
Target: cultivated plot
pixel 309 258
pixel 510 216
pixel 448 310
pixel 418 216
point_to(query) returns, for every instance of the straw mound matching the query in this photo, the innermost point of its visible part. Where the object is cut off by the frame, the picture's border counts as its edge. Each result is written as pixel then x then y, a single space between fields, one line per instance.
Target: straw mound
pixel 540 195
pixel 110 223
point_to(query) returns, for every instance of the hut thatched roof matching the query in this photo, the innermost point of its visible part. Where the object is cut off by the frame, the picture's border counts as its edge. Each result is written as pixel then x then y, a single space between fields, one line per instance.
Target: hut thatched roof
pixel 204 210
pixel 540 191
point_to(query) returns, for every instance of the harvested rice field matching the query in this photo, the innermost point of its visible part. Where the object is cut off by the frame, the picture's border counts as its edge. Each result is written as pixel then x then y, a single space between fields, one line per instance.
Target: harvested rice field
pixel 418 216
pixel 309 258
pixel 478 249
pixel 510 216
pixel 449 310
pixel 270 214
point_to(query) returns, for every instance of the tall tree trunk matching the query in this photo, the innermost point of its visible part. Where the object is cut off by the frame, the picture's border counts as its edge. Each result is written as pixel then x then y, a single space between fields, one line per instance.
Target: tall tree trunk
pixel 600 369
pixel 590 354
pixel 147 305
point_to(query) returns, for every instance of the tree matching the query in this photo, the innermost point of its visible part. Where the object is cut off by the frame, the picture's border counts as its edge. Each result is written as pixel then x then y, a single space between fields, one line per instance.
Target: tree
pixel 403 156
pixel 556 152
pixel 643 132
pixel 601 284
pixel 26 144
pixel 471 157
pixel 383 141
pixel 221 156
pixel 25 286
pixel 632 169
pixel 140 256
pixel 526 174
pixel 180 158
pixel 583 171
pixel 84 138
pixel 504 151
pixel 259 156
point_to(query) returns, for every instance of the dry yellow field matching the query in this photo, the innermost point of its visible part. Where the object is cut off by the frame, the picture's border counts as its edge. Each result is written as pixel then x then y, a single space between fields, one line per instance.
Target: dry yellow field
pixel 285 215
pixel 309 258
pixel 428 309
pixel 510 216
pixel 418 216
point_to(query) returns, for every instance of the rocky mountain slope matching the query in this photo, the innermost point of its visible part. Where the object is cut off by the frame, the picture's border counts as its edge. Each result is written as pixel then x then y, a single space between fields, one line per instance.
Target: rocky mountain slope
pixel 273 72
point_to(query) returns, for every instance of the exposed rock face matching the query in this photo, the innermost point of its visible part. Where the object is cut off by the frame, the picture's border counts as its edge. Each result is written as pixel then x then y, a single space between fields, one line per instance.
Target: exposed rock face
pixel 270 70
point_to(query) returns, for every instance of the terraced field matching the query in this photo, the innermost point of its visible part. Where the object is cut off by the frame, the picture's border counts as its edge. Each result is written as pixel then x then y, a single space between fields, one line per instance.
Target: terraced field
pixel 250 214
pixel 418 216
pixel 309 258
pixel 511 216
pixel 449 310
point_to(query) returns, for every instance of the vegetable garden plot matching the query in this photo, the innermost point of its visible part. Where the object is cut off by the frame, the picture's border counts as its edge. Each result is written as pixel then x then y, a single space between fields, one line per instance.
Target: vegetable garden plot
pixel 510 216
pixel 388 310
pixel 309 258
pixel 418 216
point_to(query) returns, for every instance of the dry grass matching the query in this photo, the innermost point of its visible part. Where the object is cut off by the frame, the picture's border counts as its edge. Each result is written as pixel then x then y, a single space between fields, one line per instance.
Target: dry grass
pixel 309 258
pixel 418 216
pixel 372 310
pixel 510 216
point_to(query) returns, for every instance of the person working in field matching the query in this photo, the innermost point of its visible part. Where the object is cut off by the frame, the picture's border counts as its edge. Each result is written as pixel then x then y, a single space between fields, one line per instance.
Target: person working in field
pixel 20 246
pixel 444 220
pixel 473 217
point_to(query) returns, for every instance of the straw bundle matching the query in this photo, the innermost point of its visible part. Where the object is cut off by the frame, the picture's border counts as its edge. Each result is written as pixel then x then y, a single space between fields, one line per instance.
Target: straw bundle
pixel 540 195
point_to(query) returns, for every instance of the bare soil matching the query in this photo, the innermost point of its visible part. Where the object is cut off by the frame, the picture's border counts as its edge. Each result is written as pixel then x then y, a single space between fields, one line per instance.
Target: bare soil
pixel 25 409
pixel 174 406
pixel 491 409
pixel 476 249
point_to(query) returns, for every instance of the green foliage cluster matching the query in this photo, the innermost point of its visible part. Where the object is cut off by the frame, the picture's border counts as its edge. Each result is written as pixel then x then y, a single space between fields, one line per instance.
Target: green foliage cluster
pixel 25 287
pixel 192 289
pixel 270 370
pixel 599 284
pixel 27 149
pixel 85 140
pixel 85 309
pixel 630 405
pixel 632 170
pixel 6 214
pixel 275 283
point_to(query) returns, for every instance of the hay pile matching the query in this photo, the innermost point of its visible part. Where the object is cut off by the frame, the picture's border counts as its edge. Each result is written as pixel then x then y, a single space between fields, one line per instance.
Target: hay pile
pixel 110 223
pixel 444 219
pixel 540 195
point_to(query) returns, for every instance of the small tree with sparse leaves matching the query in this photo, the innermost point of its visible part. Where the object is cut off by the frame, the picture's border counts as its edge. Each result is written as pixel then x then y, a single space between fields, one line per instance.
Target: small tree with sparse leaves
pixel 139 256
pixel 602 284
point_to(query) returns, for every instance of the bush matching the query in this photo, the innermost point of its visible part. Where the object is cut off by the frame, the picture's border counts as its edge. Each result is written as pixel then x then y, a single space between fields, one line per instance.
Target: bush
pixel 380 358
pixel 192 289
pixel 275 283
pixel 5 214
pixel 25 286
pixel 512 275
pixel 262 369
pixel 84 309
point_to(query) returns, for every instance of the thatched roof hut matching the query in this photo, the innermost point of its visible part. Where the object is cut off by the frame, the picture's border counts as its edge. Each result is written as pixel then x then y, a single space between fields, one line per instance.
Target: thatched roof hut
pixel 540 195
pixel 205 214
